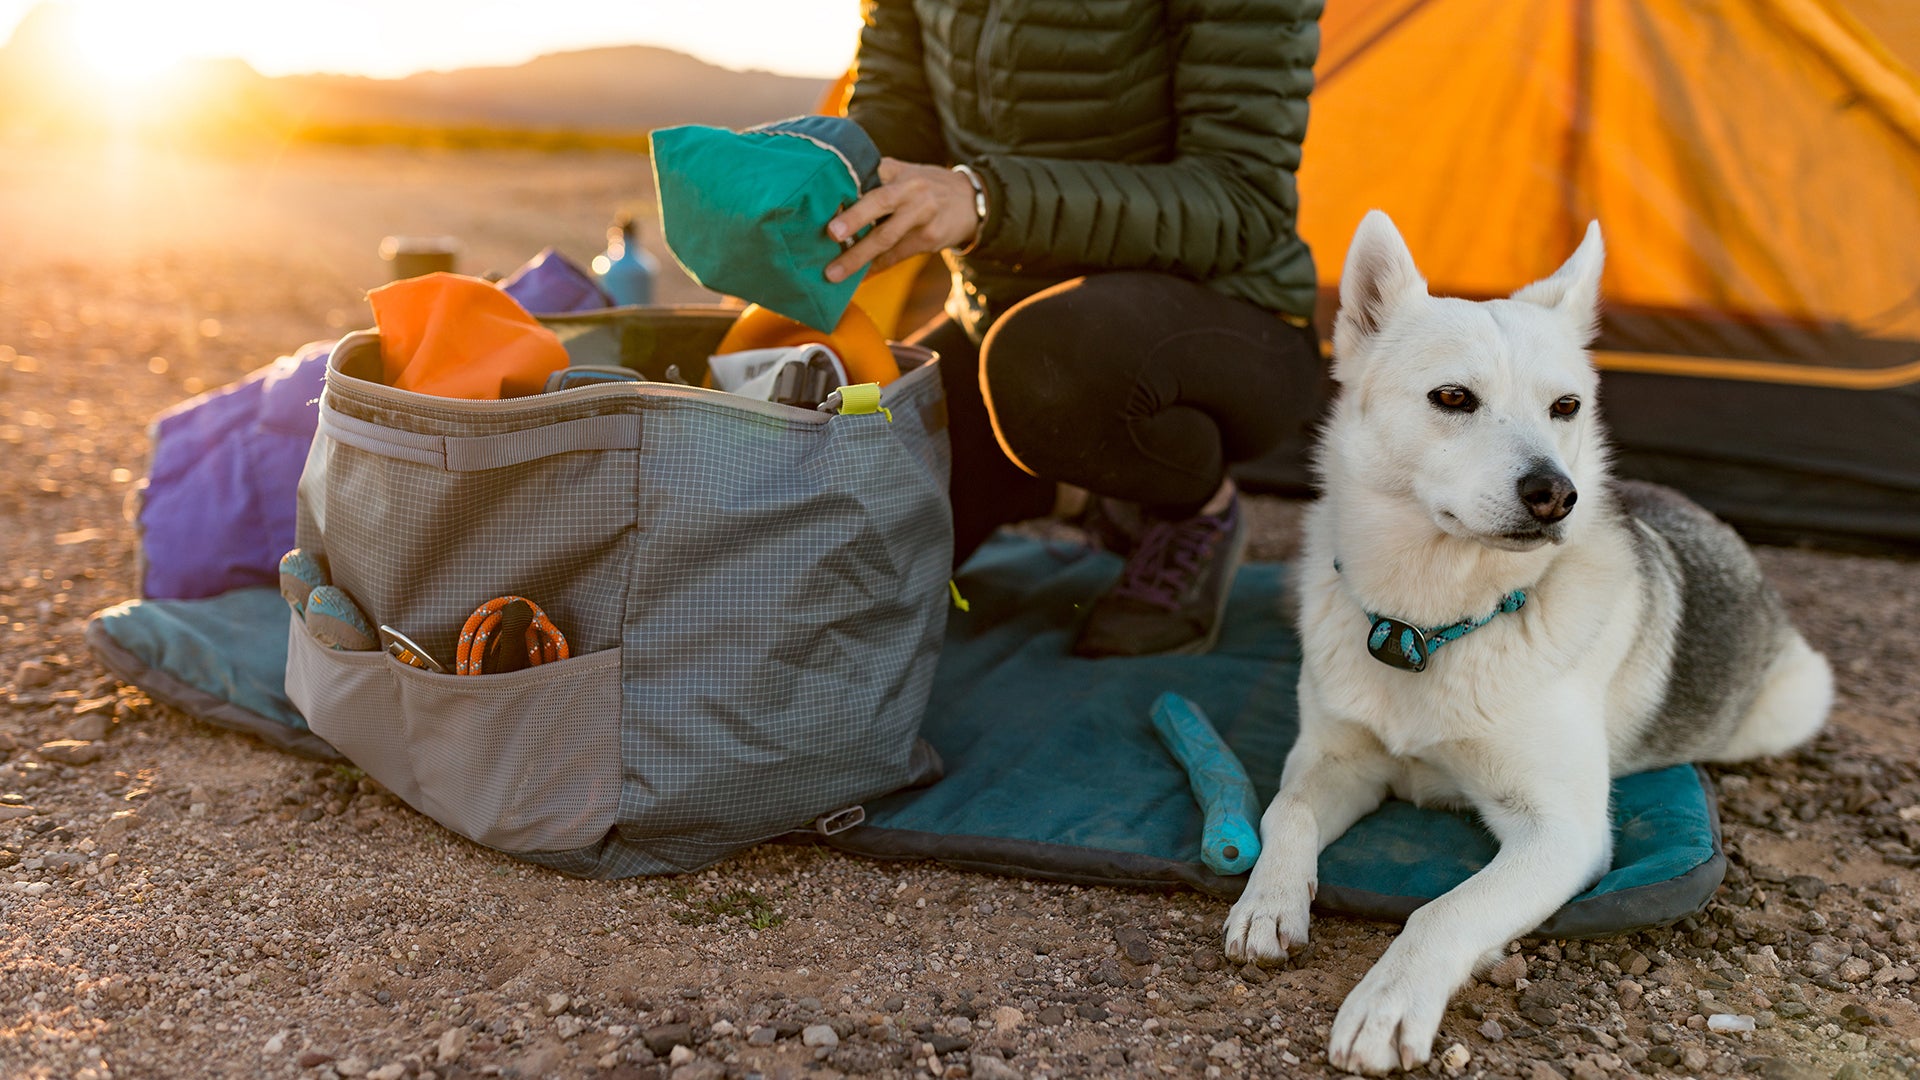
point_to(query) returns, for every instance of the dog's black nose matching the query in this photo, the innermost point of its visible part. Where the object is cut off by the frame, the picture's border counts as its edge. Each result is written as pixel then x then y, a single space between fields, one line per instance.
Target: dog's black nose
pixel 1548 493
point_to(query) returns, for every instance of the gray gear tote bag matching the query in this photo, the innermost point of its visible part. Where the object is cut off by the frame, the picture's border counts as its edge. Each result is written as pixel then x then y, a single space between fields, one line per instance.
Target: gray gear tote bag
pixel 753 596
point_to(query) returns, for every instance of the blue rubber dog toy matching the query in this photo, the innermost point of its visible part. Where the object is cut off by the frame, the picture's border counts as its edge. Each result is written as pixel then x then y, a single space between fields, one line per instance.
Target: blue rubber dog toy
pixel 1230 840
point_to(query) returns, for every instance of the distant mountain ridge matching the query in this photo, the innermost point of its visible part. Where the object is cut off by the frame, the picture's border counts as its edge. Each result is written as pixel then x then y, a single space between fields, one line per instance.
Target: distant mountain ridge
pixel 617 88
pixel 622 89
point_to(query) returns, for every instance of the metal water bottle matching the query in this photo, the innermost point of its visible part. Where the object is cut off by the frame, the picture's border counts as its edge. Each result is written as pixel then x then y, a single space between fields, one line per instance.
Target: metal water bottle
pixel 626 270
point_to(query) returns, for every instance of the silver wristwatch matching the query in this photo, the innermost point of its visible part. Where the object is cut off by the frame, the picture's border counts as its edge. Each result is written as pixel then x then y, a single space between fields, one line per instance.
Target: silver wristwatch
pixel 979 204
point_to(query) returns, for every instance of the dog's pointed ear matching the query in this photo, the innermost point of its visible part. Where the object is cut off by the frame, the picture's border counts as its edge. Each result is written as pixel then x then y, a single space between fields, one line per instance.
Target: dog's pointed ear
pixel 1574 289
pixel 1378 279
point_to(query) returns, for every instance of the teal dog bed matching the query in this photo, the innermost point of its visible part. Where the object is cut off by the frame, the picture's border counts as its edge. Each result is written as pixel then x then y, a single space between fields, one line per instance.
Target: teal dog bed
pixel 1052 766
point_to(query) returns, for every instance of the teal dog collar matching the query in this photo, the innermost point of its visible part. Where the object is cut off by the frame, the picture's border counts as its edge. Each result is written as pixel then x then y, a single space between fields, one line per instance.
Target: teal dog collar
pixel 1400 644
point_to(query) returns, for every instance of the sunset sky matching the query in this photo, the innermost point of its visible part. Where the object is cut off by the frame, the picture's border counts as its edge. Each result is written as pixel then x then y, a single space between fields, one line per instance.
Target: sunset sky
pixel 397 37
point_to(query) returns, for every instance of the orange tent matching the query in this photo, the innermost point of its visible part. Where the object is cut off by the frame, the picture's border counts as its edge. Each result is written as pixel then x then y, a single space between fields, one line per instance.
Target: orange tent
pixel 1756 167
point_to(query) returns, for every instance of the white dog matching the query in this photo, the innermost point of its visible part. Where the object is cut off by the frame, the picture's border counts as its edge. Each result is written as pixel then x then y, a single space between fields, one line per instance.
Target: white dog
pixel 1571 628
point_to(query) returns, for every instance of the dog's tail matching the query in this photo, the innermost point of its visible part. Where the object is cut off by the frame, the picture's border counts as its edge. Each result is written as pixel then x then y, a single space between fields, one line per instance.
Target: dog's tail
pixel 1793 704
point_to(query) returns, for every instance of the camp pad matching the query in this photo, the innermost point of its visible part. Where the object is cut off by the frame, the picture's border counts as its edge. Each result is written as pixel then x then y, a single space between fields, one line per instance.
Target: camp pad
pixel 1052 766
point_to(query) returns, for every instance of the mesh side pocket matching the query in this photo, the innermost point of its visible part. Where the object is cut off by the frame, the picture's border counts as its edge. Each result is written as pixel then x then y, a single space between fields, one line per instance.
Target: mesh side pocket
pixel 523 762
pixel 352 700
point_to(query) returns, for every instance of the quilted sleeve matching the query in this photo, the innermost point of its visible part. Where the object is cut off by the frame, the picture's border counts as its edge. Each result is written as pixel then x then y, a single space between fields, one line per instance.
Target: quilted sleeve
pixel 890 96
pixel 1242 73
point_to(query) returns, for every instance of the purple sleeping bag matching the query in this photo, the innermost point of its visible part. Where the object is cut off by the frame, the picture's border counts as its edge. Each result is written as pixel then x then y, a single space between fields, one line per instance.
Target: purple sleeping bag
pixel 217 512
pixel 218 508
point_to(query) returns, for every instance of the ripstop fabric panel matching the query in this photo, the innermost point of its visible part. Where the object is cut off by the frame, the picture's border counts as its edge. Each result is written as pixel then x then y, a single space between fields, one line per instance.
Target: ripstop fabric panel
pixel 774 580
pixel 1053 769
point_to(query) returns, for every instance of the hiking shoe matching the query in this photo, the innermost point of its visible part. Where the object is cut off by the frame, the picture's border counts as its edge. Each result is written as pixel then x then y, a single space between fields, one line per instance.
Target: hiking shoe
pixel 1171 595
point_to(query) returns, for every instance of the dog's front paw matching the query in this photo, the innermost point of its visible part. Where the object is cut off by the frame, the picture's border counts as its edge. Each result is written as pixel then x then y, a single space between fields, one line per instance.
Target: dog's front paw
pixel 1270 918
pixel 1389 1021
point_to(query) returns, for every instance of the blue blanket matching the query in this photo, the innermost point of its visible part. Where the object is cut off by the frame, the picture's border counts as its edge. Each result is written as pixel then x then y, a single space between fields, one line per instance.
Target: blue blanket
pixel 1052 766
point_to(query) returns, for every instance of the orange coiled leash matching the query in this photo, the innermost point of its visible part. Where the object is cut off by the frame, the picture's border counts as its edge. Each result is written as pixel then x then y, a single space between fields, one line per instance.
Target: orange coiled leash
pixel 486 640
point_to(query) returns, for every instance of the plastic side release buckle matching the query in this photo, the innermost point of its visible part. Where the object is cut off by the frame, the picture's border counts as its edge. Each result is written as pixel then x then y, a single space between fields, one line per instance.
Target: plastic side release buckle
pixel 840 820
pixel 856 400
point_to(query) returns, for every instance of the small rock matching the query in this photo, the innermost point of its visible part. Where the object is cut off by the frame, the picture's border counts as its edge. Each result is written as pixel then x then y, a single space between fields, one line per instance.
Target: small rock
pixel 679 1056
pixel 353 1066
pixel 1540 1070
pixel 569 1026
pixel 661 1040
pixel 1585 1069
pixel 1508 972
pixel 453 1043
pixel 991 1067
pixel 1007 1018
pixel 32 675
pixel 1694 1058
pixel 1729 1022
pixel 1805 887
pixel 275 1044
pixel 119 825
pixel 313 1058
pixel 1455 1057
pixel 1052 1016
pixel 70 752
pixel 557 1004
pixel 16 812
pixel 1783 1069
pixel 1254 973
pixel 1225 1050
pixel 819 1035
pixel 1634 963
pixel 1134 945
pixel 392 1071
pixel 762 1036
pixel 947 1044
pixel 1827 951
pixel 1629 993
pixel 1492 1031
pixel 89 728
pixel 542 1059
pixel 1763 961
pixel 1853 970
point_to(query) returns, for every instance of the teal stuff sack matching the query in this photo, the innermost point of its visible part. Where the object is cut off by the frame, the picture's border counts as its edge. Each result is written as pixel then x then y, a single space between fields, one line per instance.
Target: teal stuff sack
pixel 745 213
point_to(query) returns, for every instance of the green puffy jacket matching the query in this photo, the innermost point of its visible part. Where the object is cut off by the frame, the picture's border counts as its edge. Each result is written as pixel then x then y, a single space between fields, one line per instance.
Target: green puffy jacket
pixel 1110 134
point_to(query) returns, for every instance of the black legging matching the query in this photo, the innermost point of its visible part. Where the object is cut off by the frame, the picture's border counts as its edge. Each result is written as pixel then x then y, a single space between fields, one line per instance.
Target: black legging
pixel 1139 386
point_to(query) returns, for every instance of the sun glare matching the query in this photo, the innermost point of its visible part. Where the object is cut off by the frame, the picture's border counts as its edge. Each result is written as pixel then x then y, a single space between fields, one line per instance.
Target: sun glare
pixel 125 48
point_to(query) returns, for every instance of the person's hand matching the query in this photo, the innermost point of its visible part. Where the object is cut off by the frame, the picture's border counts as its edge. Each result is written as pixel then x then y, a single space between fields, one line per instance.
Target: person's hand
pixel 919 208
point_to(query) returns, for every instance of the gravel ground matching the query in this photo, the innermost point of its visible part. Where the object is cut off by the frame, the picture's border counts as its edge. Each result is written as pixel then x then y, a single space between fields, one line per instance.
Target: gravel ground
pixel 178 901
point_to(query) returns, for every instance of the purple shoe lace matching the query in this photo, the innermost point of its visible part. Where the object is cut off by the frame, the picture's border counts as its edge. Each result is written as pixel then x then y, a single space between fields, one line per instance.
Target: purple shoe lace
pixel 1169 554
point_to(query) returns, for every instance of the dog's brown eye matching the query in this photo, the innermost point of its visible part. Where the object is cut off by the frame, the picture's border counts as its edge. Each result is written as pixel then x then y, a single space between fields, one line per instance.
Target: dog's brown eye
pixel 1457 398
pixel 1565 407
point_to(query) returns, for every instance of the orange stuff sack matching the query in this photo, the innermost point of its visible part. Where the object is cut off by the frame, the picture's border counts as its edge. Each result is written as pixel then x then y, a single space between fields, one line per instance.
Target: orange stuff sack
pixel 460 337
pixel 858 342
